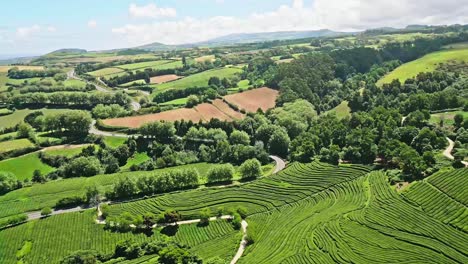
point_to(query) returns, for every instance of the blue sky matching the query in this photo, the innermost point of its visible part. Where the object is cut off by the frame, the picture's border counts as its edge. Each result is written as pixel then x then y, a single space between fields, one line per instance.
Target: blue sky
pixel 40 26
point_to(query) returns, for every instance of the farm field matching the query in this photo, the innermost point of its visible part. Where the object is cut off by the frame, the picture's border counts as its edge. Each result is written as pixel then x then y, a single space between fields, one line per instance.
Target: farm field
pixel 21 67
pixel 163 66
pixel 47 194
pixel 85 234
pixel 343 207
pixel 164 78
pixel 199 79
pixel 263 98
pixel 114 142
pixel 105 71
pixel 16 144
pixel 427 63
pixel 19 115
pixel 133 83
pixel 142 65
pixel 67 150
pixel 23 166
pixel 179 101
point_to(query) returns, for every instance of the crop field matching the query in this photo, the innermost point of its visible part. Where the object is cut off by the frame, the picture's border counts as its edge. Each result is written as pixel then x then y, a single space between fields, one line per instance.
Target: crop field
pixel 134 83
pixel 205 58
pixel 105 71
pixel 263 98
pixel 204 112
pixel 23 167
pixel 164 78
pixel 40 195
pixel 19 115
pixel 16 144
pixel 22 67
pixel 142 65
pixel 78 231
pixel 199 79
pixel 163 66
pixel 427 63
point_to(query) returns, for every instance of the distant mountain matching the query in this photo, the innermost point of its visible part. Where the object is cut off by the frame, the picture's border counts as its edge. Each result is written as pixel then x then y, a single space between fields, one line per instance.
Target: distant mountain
pixel 69 51
pixel 242 38
pixel 18 60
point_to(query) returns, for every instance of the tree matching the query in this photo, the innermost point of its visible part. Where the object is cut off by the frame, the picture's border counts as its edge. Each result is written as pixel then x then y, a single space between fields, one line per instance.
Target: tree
pixel 81 257
pixel 25 130
pixel 82 167
pixel 92 195
pixel 458 120
pixel 192 101
pixel 251 169
pixel 38 177
pixel 170 216
pixel 46 211
pixel 239 137
pixel 205 216
pixel 149 220
pixel 161 131
pixel 279 143
pixel 221 173
pixel 8 182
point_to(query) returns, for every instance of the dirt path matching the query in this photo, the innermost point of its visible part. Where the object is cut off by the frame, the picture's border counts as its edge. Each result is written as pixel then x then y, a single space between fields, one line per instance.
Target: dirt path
pixel 37 214
pixel 243 243
pixel 448 151
pixel 71 75
pixel 280 164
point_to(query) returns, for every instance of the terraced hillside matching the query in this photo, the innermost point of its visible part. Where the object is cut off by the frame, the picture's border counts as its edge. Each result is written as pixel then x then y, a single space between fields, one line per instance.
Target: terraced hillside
pixel 308 213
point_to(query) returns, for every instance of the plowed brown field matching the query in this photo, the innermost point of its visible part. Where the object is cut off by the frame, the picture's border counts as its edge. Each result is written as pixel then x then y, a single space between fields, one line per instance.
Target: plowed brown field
pixel 164 78
pixel 252 100
pixel 263 98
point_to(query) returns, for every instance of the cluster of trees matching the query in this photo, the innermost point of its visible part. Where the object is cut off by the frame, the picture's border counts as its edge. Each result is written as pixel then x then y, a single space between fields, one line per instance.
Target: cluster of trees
pixel 168 252
pixel 101 111
pixel 69 98
pixel 16 73
pixel 146 75
pixel 56 88
pixel 156 183
pixel 8 182
pixel 75 122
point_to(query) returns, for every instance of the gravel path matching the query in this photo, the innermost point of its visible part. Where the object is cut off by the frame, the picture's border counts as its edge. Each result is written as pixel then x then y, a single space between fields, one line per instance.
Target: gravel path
pixel 448 151
pixel 243 243
pixel 280 164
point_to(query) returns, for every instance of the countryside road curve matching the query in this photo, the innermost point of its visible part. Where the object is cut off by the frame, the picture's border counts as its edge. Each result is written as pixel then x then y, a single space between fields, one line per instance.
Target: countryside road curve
pixel 93 130
pixel 71 75
pixel 280 164
pixel 37 214
pixel 448 151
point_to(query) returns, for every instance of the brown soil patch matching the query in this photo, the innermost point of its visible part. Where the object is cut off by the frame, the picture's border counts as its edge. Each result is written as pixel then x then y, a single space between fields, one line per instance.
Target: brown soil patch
pixel 252 100
pixel 164 78
pixel 172 115
pixel 209 111
pixel 225 108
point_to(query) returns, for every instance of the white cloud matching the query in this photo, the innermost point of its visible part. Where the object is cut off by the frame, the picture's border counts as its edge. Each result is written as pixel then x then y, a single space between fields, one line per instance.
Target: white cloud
pixel 92 24
pixel 349 15
pixel 24 32
pixel 151 11
pixel 51 29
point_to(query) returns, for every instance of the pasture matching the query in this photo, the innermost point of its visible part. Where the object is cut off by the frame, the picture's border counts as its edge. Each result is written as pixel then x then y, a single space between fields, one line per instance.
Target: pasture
pixel 179 101
pixel 428 63
pixel 446 117
pixel 24 166
pixel 105 71
pixel 21 67
pixel 17 144
pixel 199 79
pixel 19 115
pixel 341 111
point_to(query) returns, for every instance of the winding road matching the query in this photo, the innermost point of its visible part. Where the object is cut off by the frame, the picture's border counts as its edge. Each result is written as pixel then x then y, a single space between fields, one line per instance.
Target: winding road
pixel 448 151
pixel 71 75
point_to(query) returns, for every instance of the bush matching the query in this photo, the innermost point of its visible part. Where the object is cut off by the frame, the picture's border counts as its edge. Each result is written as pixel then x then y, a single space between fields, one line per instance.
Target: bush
pixel 68 202
pixel 8 182
pixel 221 173
pixel 13 220
pixel 251 169
pixel 82 167
pixel 46 211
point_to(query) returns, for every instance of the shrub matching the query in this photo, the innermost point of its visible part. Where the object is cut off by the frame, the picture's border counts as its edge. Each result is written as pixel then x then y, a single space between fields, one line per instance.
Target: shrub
pixel 68 202
pixel 8 182
pixel 221 173
pixel 46 211
pixel 13 220
pixel 251 169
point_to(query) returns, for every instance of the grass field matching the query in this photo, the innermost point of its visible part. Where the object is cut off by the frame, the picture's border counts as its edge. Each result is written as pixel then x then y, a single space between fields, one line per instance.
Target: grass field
pixel 105 71
pixel 138 158
pixel 447 117
pixel 133 83
pixel 179 101
pixel 142 65
pixel 427 63
pixel 114 142
pixel 19 115
pixel 67 151
pixel 163 66
pixel 16 144
pixel 342 110
pixel 35 68
pixel 3 81
pixel 24 166
pixel 199 79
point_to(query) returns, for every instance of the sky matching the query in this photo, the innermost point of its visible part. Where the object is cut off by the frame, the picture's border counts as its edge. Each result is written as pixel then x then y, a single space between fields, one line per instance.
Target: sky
pixel 34 27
